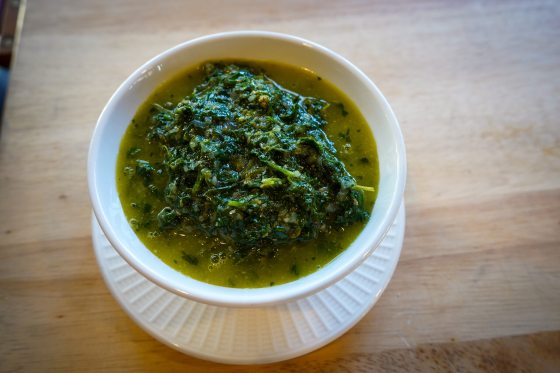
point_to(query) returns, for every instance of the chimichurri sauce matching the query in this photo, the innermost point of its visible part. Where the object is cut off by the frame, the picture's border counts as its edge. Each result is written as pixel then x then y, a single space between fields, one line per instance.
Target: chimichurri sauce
pixel 246 174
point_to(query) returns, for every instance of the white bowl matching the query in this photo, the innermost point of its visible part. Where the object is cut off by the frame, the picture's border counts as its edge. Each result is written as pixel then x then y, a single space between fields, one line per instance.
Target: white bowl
pixel 254 45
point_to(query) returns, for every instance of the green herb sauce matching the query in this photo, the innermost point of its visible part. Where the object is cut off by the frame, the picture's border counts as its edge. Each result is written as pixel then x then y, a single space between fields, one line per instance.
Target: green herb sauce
pixel 246 174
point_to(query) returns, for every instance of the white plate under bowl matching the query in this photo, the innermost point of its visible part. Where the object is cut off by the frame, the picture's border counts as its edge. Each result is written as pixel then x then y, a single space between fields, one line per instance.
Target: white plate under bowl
pixel 250 335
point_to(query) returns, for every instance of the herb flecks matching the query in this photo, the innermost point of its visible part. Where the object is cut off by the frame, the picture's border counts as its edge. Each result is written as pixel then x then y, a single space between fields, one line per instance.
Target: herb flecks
pixel 248 162
pixel 191 259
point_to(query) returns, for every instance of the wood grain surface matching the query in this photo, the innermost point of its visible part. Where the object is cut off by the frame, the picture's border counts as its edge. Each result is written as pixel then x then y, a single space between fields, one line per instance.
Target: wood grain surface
pixel 476 87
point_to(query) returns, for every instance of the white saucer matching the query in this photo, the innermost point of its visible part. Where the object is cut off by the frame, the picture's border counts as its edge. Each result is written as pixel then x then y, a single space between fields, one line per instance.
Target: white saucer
pixel 250 335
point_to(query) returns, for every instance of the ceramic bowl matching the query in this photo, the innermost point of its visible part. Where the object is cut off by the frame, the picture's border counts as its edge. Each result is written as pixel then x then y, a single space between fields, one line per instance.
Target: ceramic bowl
pixel 253 45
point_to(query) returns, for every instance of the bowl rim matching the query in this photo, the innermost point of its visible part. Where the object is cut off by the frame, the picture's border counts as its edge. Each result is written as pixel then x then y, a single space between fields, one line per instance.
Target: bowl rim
pixel 246 297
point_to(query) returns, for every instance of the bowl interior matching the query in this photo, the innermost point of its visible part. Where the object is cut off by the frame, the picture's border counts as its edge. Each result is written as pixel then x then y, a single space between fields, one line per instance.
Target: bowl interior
pixel 255 46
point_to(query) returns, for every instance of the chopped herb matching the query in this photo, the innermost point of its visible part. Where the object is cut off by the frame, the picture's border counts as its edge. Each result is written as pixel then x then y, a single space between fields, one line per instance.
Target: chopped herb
pixel 133 151
pixel 144 169
pixel 364 188
pixel 153 189
pixel 294 269
pixel 345 136
pixel 193 260
pixel 129 171
pixel 342 109
pixel 167 218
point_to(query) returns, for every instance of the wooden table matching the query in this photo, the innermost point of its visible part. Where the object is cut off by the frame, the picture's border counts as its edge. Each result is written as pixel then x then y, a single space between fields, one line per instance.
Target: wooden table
pixel 476 87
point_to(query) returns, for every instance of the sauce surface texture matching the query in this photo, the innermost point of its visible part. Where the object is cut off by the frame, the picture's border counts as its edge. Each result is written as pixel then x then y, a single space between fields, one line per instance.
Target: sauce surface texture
pixel 177 183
